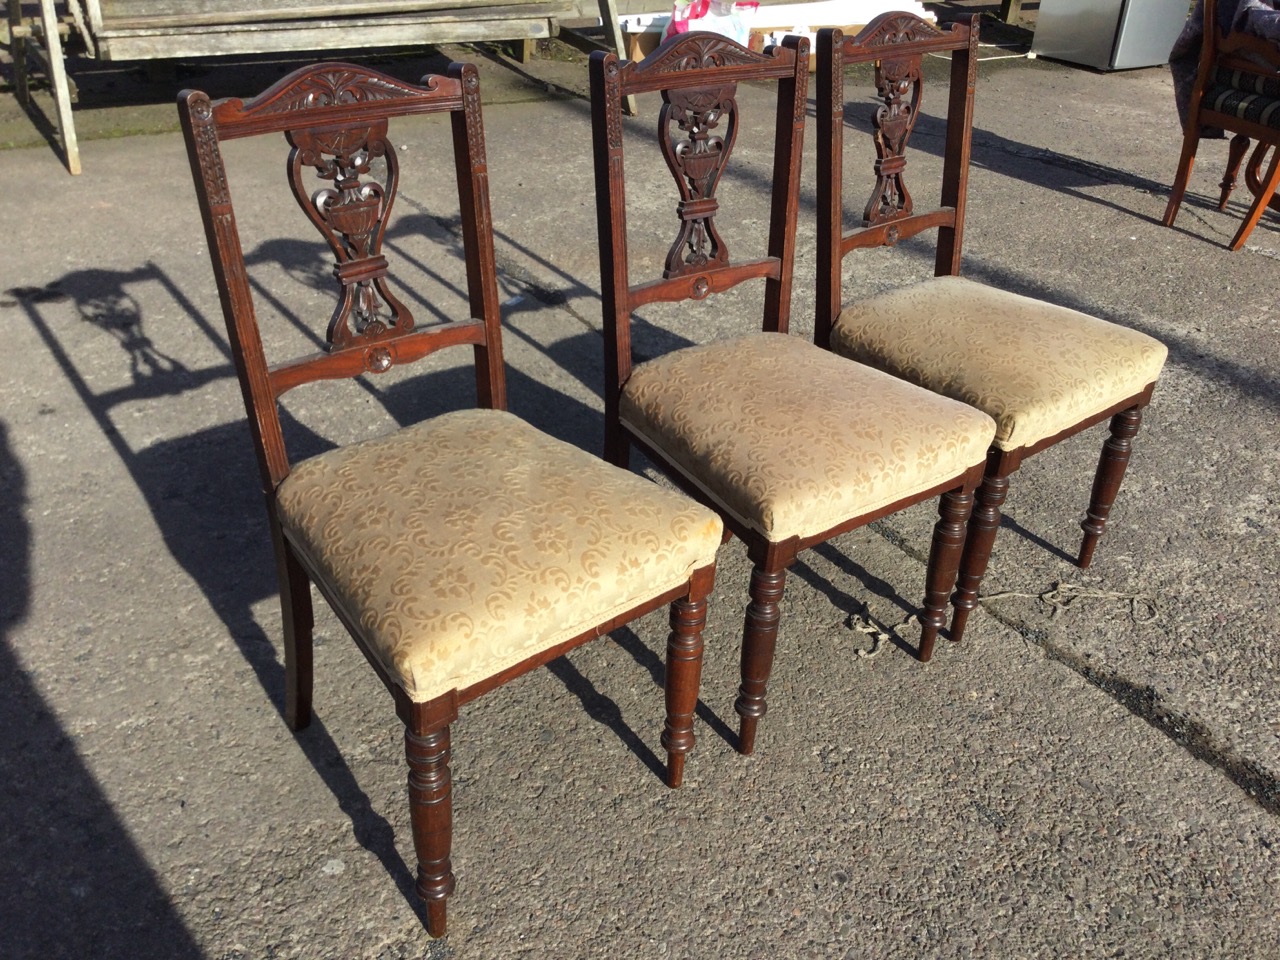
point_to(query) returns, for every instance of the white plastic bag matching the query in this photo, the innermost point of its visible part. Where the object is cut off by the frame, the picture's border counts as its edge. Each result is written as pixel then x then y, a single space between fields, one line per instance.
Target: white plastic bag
pixel 729 19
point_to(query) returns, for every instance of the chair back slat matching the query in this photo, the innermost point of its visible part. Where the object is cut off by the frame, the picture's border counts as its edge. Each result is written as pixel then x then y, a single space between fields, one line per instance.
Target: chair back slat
pixel 896 43
pixel 703 285
pixel 703 60
pixel 335 119
pixel 887 234
pixel 698 75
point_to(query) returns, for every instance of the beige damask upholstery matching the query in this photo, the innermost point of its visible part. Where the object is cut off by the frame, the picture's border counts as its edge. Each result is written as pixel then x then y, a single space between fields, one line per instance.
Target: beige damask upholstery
pixel 792 440
pixel 1036 367
pixel 471 542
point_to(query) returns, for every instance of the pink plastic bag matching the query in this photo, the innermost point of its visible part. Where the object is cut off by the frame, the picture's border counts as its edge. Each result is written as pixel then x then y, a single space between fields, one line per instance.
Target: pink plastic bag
pixel 724 17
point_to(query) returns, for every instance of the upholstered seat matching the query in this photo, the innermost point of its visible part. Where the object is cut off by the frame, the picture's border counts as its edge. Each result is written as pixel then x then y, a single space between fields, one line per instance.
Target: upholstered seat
pixel 1247 96
pixel 1035 367
pixel 782 464
pixel 469 543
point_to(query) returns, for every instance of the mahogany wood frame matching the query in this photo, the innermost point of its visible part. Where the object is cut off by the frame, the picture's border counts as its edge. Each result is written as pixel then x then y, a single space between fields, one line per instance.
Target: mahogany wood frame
pixel 333 115
pixel 1251 55
pixel 895 43
pixel 704 67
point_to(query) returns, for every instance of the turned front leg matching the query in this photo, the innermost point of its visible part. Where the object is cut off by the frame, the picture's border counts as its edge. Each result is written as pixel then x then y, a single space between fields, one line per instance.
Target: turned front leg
pixel 684 672
pixel 431 813
pixel 1106 482
pixel 759 637
pixel 984 524
pixel 944 560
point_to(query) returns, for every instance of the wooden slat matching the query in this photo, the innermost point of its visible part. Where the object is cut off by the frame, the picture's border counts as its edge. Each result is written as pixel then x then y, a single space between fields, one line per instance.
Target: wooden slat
pixel 316 35
pixel 895 231
pixel 205 12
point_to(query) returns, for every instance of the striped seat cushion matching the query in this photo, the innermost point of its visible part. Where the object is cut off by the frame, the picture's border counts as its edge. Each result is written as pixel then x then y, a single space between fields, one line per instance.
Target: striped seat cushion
pixel 1248 96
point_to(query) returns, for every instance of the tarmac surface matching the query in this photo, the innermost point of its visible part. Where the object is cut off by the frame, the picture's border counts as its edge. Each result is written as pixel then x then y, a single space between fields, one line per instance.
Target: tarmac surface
pixel 1095 771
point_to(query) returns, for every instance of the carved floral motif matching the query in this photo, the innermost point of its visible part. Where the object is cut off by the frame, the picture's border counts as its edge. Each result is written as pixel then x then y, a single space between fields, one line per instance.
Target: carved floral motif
pixel 329 88
pixel 698 51
pixel 900 28
pixel 898 83
pixel 696 162
pixel 352 216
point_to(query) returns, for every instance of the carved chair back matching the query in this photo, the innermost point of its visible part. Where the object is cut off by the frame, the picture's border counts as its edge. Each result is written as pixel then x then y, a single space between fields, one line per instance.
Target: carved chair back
pixel 896 43
pixel 1241 74
pixel 334 118
pixel 1235 50
pixel 697 75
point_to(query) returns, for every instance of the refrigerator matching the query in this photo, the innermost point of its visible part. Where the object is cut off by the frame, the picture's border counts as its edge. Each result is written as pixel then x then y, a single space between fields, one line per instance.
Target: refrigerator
pixel 1109 34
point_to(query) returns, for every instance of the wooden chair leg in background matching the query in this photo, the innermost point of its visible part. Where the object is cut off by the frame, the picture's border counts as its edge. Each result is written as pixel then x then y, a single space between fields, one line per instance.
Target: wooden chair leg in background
pixel 1235 154
pixel 1260 202
pixel 18 53
pixel 1106 482
pixel 61 86
pixel 1252 169
pixel 1185 164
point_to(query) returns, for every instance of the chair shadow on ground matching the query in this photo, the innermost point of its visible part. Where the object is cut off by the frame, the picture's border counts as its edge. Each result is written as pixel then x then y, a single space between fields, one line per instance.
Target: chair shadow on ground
pixel 214 529
pixel 852 571
pixel 75 883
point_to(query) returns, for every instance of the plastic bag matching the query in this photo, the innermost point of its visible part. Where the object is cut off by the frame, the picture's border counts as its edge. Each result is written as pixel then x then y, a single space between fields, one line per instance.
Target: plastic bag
pixel 729 19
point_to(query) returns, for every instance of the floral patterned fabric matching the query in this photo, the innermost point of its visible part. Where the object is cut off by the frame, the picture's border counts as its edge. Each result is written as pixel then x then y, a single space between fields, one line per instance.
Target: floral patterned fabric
pixel 793 440
pixel 472 541
pixel 1036 367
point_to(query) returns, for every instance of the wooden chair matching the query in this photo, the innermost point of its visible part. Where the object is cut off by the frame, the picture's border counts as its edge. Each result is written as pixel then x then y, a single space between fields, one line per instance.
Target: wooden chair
pixel 1042 371
pixel 1237 88
pixel 790 444
pixel 468 549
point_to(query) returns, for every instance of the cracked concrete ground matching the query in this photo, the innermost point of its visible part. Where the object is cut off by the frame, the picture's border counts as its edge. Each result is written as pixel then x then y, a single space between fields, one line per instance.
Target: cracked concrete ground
pixel 1092 777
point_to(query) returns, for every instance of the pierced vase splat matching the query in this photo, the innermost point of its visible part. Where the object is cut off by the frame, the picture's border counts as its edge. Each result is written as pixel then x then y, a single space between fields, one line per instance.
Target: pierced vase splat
pixel 351 214
pixel 697 157
pixel 898 84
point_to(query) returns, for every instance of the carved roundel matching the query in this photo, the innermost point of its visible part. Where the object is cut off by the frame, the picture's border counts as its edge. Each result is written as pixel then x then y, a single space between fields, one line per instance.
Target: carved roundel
pixel 377 360
pixel 701 288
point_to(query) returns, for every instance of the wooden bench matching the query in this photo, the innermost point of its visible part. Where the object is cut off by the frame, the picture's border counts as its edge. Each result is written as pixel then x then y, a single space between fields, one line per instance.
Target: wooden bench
pixel 162 29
